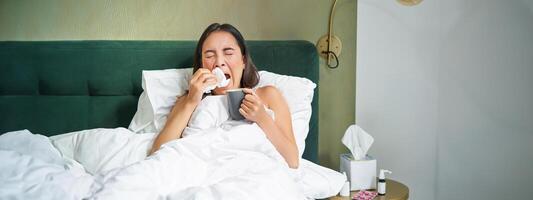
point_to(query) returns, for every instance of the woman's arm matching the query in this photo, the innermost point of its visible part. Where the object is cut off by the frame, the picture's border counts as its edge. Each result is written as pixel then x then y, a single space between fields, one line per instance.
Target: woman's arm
pixel 178 118
pixel 278 131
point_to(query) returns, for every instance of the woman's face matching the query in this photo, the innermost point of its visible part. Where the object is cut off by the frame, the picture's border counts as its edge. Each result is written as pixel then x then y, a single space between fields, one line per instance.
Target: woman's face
pixel 220 49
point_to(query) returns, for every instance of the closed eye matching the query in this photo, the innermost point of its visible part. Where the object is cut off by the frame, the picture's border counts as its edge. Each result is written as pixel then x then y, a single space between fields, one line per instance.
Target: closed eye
pixel 229 51
pixel 209 53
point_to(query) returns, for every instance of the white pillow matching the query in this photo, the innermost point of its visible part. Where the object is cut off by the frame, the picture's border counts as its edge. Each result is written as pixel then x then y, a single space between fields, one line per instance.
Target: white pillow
pixel 162 87
pixel 100 150
pixel 298 93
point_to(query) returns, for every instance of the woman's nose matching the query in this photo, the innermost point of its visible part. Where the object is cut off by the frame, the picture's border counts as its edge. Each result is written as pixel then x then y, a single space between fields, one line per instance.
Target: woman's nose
pixel 220 62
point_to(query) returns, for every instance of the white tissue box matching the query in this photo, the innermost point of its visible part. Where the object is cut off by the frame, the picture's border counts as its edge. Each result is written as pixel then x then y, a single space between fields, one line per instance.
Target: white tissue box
pixel 361 173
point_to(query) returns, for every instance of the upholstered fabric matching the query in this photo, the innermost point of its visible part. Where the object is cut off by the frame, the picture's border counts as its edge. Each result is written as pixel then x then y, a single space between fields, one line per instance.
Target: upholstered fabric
pixel 53 87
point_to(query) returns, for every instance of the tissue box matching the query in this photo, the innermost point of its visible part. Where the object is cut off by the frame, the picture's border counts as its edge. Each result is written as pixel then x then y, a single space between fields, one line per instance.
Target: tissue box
pixel 361 173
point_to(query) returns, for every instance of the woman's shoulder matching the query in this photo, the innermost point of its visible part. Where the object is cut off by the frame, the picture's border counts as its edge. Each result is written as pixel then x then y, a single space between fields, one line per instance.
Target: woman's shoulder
pixel 269 94
pixel 267 90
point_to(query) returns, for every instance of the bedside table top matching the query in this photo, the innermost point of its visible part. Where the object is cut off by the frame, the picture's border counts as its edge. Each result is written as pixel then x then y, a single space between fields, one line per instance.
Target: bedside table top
pixel 395 191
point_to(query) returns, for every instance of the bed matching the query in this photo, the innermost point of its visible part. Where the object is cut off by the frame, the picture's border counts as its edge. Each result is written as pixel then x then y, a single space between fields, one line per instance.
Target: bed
pixel 56 87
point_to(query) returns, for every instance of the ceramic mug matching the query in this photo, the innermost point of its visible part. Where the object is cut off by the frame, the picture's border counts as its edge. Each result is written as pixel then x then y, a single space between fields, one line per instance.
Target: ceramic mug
pixel 235 97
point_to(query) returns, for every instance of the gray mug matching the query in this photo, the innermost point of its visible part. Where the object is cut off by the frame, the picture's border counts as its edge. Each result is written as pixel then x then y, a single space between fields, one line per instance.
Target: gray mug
pixel 235 97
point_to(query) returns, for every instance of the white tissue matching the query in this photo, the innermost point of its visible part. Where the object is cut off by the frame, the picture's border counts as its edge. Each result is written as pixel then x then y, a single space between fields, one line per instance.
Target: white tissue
pixel 358 141
pixel 221 80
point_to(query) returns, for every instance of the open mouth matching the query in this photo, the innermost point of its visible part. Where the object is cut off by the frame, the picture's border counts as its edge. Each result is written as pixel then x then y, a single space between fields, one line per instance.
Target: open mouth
pixel 227 76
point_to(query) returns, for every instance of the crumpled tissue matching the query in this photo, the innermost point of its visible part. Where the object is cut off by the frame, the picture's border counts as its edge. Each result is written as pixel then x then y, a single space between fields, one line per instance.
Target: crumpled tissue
pixel 221 80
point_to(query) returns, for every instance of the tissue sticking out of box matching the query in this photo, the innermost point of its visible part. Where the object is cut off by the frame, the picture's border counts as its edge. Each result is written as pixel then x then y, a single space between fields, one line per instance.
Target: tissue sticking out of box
pixel 358 141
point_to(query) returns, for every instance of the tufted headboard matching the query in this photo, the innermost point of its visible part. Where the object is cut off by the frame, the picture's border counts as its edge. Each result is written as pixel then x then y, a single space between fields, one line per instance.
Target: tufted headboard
pixel 54 87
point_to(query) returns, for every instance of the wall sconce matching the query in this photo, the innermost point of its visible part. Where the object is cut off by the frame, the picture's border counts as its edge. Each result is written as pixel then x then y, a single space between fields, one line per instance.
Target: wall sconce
pixel 329 46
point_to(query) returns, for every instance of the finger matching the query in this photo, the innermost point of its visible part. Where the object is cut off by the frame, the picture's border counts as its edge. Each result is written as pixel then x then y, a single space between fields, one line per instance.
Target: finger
pixel 247 90
pixel 205 76
pixel 210 79
pixel 209 82
pixel 244 114
pixel 199 73
pixel 254 100
pixel 204 70
pixel 246 108
pixel 248 104
pixel 252 92
pixel 202 83
pixel 250 97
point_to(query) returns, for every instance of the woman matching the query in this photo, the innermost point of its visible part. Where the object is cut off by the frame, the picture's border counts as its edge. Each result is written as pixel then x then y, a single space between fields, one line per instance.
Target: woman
pixel 223 46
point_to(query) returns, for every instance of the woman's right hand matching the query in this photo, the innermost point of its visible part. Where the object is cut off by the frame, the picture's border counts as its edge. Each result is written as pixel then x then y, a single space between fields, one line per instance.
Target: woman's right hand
pixel 200 80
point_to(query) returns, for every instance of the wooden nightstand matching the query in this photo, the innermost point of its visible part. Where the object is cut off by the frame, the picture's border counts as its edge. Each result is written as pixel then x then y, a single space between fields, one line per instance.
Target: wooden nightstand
pixel 395 191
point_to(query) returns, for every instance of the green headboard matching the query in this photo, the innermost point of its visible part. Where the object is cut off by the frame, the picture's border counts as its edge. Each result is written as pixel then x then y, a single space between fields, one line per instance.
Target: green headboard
pixel 54 87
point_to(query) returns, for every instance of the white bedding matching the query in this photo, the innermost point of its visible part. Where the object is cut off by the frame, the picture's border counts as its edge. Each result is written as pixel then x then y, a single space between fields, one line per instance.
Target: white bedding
pixel 33 169
pixel 237 163
pixel 234 162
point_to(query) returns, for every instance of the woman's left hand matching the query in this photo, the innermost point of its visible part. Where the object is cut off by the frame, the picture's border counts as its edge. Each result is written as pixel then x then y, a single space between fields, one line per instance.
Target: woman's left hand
pixel 252 108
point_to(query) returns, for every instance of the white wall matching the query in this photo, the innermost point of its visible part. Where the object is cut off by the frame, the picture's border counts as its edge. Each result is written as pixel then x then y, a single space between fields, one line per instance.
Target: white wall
pixel 446 88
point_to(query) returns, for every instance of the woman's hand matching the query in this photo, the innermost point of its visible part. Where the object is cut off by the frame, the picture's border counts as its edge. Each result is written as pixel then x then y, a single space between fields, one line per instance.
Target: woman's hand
pixel 200 80
pixel 252 108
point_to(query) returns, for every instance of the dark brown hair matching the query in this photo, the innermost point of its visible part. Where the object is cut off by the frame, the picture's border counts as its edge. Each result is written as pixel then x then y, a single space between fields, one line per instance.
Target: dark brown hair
pixel 250 77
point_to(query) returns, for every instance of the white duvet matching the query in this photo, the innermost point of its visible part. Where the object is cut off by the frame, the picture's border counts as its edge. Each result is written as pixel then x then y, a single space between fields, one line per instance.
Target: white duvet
pixel 32 168
pixel 218 159
pixel 234 162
